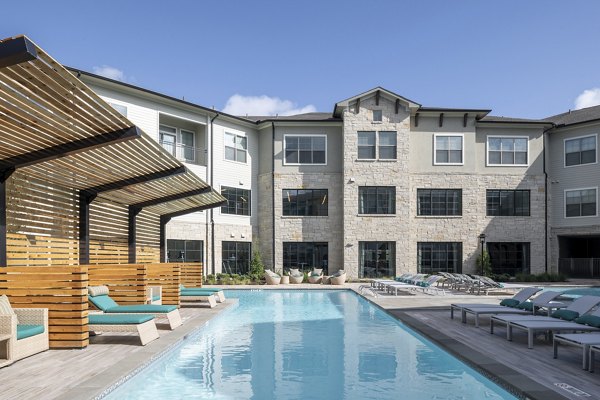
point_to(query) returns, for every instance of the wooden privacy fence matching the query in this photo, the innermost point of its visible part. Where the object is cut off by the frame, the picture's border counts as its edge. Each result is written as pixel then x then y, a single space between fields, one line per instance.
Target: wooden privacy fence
pixel 167 275
pixel 191 274
pixel 60 289
pixel 127 282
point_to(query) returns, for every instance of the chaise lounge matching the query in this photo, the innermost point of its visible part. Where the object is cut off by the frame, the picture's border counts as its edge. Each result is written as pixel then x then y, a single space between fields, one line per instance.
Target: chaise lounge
pixel 142 324
pixel 26 330
pixel 98 296
pixel 190 291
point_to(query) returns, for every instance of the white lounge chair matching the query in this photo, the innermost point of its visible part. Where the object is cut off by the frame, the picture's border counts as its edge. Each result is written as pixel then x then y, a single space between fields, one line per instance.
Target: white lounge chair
pixel 141 324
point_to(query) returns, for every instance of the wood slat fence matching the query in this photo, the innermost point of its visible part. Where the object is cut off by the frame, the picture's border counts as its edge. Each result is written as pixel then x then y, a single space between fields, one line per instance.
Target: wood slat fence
pixel 191 274
pixel 167 275
pixel 127 282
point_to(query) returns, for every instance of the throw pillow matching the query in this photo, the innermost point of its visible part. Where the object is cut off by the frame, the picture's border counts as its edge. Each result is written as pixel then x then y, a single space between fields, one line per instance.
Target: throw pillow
pixel 567 315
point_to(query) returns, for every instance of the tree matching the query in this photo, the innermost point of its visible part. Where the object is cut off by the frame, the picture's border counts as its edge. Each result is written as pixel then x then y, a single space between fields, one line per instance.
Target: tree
pixel 484 260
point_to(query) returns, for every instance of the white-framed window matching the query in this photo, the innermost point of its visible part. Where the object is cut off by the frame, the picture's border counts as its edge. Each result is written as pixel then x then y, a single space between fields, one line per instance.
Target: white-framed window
pixel 373 145
pixel 507 151
pixel 377 115
pixel 236 147
pixel 581 150
pixel 581 202
pixel 305 149
pixel 179 142
pixel 167 136
pixel 448 149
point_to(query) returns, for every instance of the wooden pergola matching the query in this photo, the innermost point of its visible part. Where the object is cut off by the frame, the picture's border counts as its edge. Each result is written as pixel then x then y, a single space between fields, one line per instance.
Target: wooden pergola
pixel 82 189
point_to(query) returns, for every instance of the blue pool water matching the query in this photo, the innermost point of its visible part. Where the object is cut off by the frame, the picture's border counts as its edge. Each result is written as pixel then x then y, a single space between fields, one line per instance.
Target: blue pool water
pixel 307 345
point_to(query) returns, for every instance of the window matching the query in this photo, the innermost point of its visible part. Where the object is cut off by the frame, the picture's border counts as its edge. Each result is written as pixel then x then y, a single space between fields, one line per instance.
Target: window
pixel 185 250
pixel 580 151
pixel 236 257
pixel 448 149
pixel 376 259
pixel 121 109
pixel 507 151
pixel 187 145
pixel 238 201
pixel 434 257
pixel 509 258
pixel 369 142
pixel 580 203
pixel 366 146
pixel 236 147
pixel 507 203
pixel 168 138
pixel 439 202
pixel 305 149
pixel 307 202
pixel 377 115
pixel 376 200
pixel 305 255
pixel 387 145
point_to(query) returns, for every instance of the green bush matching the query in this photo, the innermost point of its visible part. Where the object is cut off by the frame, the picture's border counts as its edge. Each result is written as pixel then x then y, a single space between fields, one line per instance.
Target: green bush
pixel 543 277
pixel 483 262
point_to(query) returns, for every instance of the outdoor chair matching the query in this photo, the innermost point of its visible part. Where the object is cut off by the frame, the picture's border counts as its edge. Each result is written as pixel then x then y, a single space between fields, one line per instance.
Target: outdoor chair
pixel 26 328
pixel 315 276
pixel 142 324
pixel 154 295
pixel 339 278
pixel 525 308
pixel 219 294
pixel 98 296
pixel 272 278
pixel 583 340
pixel 560 321
pixel 296 276
pixel 517 299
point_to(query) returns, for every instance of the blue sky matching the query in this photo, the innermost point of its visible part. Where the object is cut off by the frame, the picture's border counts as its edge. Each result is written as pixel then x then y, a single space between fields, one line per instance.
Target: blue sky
pixel 520 58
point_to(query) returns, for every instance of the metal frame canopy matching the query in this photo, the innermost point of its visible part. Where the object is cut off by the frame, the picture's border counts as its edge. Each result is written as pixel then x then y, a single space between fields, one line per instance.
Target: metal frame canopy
pixel 54 127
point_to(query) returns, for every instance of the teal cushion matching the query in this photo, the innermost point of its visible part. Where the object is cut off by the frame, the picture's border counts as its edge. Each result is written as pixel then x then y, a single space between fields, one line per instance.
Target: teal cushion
pixel 509 303
pixel 314 274
pixel 155 298
pixel 196 292
pixel 591 320
pixel 567 315
pixel 25 331
pixel 105 319
pixel 103 302
pixel 142 308
pixel 526 305
pixel 214 290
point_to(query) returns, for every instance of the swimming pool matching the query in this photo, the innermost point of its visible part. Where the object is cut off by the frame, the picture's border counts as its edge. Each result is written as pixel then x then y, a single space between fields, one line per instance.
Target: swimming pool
pixel 313 344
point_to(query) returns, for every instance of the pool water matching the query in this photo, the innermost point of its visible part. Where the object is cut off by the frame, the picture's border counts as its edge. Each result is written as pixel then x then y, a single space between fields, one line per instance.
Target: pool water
pixel 313 344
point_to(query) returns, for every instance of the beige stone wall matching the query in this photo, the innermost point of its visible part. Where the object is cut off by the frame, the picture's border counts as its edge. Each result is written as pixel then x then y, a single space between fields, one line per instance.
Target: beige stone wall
pixel 265 219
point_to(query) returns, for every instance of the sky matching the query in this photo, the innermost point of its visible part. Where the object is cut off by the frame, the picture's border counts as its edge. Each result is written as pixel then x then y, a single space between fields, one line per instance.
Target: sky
pixel 529 59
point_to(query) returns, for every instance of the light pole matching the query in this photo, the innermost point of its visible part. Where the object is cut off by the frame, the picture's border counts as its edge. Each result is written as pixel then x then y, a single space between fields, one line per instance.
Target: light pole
pixel 482 241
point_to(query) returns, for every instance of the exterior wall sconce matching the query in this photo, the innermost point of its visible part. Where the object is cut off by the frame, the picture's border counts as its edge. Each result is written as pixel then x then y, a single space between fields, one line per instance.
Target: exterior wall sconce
pixel 351 180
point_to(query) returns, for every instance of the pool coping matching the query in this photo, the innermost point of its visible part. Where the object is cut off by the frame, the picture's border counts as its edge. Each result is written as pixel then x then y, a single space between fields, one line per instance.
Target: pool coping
pixel 511 380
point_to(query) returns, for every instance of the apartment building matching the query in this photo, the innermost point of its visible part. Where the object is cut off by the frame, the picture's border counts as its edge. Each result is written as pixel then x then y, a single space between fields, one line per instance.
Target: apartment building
pixel 380 186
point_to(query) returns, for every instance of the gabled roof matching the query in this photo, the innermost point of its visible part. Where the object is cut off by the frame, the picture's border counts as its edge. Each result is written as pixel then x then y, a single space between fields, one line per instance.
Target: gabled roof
pixel 573 117
pixel 344 103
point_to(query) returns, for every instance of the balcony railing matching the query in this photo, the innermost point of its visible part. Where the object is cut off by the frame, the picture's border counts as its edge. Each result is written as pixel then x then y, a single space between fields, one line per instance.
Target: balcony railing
pixel 188 154
pixel 579 267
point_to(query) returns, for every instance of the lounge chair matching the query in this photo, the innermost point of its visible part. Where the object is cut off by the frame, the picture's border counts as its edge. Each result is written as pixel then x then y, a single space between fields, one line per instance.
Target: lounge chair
pixel 27 329
pixel 525 309
pixel 591 357
pixel 339 278
pixel 578 307
pixel 198 296
pixel 517 299
pixel 417 284
pixel 98 296
pixel 190 291
pixel 552 324
pixel 296 276
pixel 315 276
pixel 583 340
pixel 272 278
pixel 141 323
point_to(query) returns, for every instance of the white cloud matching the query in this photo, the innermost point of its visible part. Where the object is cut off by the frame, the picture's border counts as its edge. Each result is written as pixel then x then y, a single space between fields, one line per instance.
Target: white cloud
pixel 109 72
pixel 264 105
pixel 588 98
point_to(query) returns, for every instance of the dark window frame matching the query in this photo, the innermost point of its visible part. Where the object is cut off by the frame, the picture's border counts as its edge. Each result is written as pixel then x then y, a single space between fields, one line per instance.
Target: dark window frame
pixel 235 204
pixel 500 263
pixel 178 250
pixel 376 266
pixel 377 193
pixel 293 204
pixel 499 203
pixel 240 262
pixel 431 259
pixel 293 252
pixel 430 210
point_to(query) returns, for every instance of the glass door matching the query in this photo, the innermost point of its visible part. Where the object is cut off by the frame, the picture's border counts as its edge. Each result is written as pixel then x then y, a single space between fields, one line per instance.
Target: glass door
pixel 187 145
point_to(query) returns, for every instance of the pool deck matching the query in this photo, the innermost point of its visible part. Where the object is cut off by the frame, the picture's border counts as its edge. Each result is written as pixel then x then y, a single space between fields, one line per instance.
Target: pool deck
pixel 85 374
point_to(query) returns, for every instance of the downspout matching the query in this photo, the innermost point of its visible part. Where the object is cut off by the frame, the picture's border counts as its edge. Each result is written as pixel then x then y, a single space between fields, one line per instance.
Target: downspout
pixel 545 200
pixel 273 189
pixel 212 219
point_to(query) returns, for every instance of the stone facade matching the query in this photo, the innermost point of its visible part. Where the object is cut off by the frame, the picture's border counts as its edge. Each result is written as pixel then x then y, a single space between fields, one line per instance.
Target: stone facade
pixel 265 218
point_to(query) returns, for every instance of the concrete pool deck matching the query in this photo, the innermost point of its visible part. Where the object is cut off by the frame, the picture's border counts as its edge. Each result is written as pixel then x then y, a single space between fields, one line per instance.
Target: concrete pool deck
pixel 85 374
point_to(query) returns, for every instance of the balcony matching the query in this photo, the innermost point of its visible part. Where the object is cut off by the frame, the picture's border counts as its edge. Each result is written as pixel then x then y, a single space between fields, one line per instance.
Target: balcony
pixel 184 153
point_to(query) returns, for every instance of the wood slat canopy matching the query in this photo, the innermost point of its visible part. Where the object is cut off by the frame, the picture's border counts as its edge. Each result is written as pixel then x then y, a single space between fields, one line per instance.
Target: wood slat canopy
pixel 53 127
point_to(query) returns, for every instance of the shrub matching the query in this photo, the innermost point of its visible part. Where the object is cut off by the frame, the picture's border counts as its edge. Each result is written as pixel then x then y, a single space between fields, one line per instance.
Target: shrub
pixel 543 277
pixel 484 260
